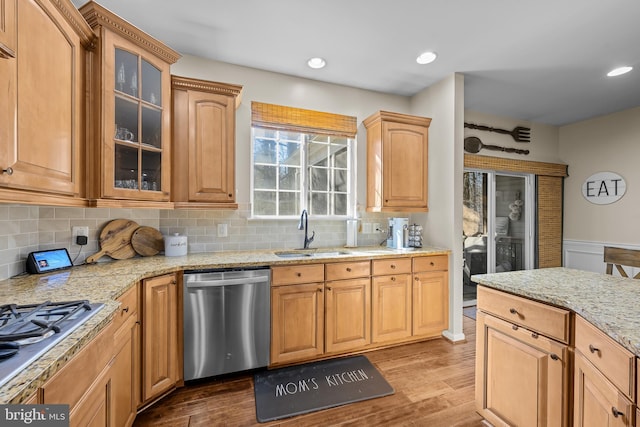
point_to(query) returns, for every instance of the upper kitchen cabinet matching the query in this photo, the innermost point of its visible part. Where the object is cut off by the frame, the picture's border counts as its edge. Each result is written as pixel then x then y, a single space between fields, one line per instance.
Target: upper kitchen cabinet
pixel 42 120
pixel 203 154
pixel 7 28
pixel 129 154
pixel 397 158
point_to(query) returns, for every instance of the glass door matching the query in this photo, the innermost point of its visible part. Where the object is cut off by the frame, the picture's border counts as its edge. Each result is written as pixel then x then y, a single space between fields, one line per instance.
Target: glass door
pixel 498 225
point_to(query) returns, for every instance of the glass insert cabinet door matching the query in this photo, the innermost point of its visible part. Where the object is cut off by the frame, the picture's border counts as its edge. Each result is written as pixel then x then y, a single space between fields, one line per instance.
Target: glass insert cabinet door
pixel 139 154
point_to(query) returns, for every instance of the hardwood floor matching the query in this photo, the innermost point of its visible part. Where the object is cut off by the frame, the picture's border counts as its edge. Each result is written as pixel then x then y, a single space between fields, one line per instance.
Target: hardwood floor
pixel 433 382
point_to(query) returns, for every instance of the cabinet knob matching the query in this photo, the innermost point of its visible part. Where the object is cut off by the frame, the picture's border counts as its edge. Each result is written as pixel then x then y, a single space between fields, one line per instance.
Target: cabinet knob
pixel 230 195
pixel 349 269
pixel 513 311
pixel 615 412
pixel 393 278
pixel 393 266
pixel 432 263
pixel 125 310
pixel 173 282
pixel 328 288
pixel 8 171
pixel 554 356
pixel 319 289
pixel 417 279
pixel 299 274
pixel 593 349
pixel 534 335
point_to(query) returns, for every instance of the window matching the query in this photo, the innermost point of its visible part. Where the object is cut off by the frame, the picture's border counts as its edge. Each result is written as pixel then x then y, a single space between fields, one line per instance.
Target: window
pixel 297 164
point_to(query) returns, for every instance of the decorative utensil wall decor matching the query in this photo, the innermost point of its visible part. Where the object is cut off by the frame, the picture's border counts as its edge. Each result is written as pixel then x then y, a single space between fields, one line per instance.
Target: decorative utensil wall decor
pixel 473 145
pixel 519 133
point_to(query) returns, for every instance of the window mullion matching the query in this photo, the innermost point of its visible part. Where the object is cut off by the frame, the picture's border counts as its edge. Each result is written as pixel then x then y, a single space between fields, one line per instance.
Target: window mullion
pixel 304 190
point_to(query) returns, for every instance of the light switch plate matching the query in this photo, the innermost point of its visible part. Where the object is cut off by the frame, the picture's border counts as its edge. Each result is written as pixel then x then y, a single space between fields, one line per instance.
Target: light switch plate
pixel 366 227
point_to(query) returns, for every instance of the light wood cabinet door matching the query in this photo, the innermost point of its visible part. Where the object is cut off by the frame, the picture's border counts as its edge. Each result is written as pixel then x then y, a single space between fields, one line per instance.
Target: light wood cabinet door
pixel 397 162
pixel 204 143
pixel 159 336
pixel 348 314
pixel 94 410
pixel 125 381
pixel 391 308
pixel 597 402
pixel 42 136
pixel 297 322
pixel 521 377
pixel 430 303
pixel 7 28
pixel 130 111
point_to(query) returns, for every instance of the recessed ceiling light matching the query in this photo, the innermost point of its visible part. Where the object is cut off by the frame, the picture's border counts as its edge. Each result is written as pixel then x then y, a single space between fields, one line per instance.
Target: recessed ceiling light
pixel 426 58
pixel 316 63
pixel 619 71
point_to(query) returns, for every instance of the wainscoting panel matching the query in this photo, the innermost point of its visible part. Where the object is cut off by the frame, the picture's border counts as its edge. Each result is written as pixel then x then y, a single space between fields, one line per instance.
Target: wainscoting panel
pixel 589 256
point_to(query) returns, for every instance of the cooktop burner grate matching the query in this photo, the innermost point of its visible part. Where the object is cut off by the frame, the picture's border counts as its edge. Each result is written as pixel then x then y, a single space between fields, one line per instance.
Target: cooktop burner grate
pixel 30 323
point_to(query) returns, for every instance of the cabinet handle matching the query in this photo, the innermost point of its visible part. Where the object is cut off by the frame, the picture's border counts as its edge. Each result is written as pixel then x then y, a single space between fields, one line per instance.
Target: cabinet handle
pixel 534 335
pixel 593 349
pixel 8 171
pixel 349 269
pixel 514 327
pixel 125 310
pixel 615 412
pixel 513 311
pixel 138 322
pixel 554 356
pixel 173 282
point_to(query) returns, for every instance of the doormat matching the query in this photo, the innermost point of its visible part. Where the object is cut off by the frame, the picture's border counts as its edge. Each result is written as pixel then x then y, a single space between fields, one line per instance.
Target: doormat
pixel 296 390
pixel 470 312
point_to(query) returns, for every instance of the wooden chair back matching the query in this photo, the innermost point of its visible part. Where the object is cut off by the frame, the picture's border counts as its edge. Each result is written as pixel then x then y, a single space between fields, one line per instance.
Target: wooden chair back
pixel 620 257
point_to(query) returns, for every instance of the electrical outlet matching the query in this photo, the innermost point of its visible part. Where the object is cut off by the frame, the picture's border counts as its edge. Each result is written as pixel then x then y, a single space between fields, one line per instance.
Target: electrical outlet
pixel 376 227
pixel 222 230
pixel 79 231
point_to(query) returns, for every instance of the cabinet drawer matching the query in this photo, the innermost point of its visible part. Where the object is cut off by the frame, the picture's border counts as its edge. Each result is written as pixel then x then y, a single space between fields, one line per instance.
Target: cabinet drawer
pixel 613 360
pixel 293 274
pixel 128 306
pixel 542 318
pixel 347 270
pixel 431 263
pixel 391 266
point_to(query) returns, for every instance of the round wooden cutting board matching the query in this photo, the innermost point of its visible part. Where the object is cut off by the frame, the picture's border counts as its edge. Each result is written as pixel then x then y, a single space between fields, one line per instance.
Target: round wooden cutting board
pixel 147 241
pixel 115 240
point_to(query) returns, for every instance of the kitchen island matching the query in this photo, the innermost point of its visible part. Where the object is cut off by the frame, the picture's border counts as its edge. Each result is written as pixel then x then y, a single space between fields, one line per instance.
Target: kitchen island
pixel 107 281
pixel 557 347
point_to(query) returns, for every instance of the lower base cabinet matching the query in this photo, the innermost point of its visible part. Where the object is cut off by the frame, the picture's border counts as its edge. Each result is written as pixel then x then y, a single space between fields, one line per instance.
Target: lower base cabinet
pixel 348 314
pixel 597 402
pixel 297 322
pixel 522 378
pixel 126 373
pixel 159 336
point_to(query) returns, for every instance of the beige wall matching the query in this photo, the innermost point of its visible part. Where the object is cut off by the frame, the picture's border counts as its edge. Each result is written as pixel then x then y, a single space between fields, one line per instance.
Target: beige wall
pixel 606 143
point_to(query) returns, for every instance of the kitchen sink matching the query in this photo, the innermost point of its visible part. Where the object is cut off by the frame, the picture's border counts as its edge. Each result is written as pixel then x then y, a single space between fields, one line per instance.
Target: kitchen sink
pixel 303 253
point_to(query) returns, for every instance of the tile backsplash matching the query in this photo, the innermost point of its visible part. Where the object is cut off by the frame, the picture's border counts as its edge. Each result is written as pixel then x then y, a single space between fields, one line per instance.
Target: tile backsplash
pixel 24 229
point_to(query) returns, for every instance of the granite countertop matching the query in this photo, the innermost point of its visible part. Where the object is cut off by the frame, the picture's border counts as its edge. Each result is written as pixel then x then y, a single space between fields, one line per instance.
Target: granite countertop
pixel 104 282
pixel 608 302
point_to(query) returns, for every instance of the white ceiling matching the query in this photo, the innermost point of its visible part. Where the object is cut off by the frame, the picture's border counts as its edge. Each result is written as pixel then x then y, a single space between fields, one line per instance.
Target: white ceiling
pixel 543 61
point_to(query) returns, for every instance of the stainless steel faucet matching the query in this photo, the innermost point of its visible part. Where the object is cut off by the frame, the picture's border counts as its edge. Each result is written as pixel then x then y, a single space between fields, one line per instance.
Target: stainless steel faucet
pixel 304 226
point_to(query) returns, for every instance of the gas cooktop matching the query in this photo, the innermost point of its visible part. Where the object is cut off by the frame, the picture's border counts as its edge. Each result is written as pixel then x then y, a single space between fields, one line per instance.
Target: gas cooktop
pixel 28 331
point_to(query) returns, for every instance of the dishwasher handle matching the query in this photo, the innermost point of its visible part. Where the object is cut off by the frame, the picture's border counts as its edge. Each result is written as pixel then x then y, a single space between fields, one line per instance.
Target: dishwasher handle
pixel 225 282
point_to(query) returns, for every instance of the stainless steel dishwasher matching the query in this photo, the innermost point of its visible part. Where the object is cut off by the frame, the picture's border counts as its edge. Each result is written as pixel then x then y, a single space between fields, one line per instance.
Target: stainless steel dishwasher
pixel 226 321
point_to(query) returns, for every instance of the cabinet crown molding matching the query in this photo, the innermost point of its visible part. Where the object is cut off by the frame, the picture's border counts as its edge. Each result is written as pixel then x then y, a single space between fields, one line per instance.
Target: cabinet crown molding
pixel 97 15
pixel 389 116
pixel 76 20
pixel 188 83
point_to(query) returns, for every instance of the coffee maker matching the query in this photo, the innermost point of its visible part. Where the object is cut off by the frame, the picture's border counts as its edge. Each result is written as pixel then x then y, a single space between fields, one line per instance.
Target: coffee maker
pixel 398 233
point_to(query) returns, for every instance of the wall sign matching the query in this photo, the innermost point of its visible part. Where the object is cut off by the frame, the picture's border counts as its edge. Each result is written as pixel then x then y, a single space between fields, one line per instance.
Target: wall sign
pixel 603 188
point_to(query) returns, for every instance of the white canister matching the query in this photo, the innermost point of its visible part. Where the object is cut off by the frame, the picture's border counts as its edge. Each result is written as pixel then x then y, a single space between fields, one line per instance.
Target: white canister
pixel 352 233
pixel 175 245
